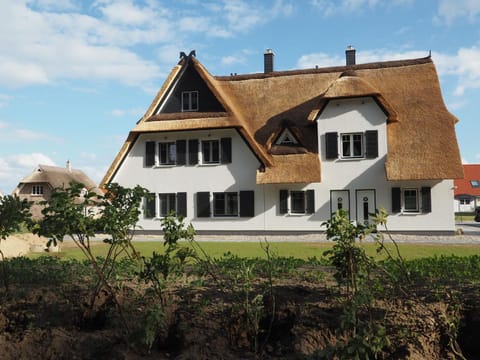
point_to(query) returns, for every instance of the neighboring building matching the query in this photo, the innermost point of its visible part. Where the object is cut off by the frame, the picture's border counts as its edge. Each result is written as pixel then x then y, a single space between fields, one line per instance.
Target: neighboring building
pixel 280 151
pixel 467 190
pixel 39 184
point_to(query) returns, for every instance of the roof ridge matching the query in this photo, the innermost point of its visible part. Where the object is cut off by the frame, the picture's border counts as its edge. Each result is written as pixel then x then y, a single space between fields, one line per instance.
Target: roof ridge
pixel 341 68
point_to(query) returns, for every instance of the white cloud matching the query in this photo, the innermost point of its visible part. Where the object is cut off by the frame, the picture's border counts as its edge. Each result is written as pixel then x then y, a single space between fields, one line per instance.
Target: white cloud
pixel 4 100
pixel 11 133
pixel 464 65
pixel 14 168
pixel 451 10
pixel 320 60
pixel 331 7
pixel 118 112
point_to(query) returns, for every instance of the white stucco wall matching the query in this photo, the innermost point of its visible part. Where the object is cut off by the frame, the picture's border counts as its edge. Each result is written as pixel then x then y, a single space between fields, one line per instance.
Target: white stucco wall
pixel 359 115
pixel 354 180
pixel 238 175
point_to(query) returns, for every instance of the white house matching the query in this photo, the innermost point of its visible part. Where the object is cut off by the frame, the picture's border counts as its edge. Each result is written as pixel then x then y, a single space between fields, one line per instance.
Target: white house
pixel 280 151
pixel 467 189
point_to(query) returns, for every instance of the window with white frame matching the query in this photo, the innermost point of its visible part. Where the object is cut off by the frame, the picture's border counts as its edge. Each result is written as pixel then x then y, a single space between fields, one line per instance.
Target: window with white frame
pixel 225 204
pixel 167 153
pixel 210 151
pixel 465 201
pixel 37 189
pixel 163 204
pixel 190 101
pixel 410 200
pixel 297 201
pixel 352 145
pixel 167 203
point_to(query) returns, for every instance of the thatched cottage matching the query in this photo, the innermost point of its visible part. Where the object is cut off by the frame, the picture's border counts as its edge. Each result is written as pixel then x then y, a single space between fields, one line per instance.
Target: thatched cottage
pixel 38 185
pixel 280 151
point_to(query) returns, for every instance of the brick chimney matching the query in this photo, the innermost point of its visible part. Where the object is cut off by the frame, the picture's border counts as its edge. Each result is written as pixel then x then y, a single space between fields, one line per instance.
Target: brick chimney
pixel 268 61
pixel 350 55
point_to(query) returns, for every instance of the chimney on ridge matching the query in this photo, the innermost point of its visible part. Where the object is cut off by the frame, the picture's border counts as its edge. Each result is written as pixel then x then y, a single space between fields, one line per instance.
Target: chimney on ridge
pixel 268 61
pixel 350 55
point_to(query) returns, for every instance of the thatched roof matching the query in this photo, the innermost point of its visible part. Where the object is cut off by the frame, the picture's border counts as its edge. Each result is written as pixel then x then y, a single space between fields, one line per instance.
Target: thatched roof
pixel 58 177
pixel 421 131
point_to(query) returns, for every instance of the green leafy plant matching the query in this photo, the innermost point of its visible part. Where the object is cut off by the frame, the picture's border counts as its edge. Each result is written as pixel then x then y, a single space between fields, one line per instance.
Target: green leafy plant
pixel 13 212
pixel 348 257
pixel 78 214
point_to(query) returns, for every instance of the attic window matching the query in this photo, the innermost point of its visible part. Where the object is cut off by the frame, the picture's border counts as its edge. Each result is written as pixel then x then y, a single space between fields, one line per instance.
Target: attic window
pixel 286 138
pixel 189 100
pixel 475 183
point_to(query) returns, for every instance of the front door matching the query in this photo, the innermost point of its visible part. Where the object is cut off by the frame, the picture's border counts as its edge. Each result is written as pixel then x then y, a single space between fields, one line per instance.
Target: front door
pixel 365 202
pixel 340 199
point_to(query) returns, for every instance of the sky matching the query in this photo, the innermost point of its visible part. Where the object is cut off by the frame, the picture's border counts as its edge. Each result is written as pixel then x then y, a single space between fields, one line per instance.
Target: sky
pixel 76 75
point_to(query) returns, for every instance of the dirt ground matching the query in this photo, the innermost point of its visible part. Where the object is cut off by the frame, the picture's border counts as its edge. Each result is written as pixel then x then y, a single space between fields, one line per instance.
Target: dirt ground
pixel 202 320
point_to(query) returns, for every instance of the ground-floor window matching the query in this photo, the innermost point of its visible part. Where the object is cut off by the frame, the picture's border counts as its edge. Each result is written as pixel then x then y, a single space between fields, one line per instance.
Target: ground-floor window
pixel 162 204
pixel 225 204
pixel 411 200
pixel 465 201
pixel 297 201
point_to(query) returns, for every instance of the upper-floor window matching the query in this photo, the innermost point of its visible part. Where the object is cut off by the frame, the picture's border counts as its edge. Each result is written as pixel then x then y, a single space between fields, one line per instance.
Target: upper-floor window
pixel 189 100
pixel 188 152
pixel 211 151
pixel 475 183
pixel 352 145
pixel 217 151
pixel 286 138
pixel 167 152
pixel 465 201
pixel 37 189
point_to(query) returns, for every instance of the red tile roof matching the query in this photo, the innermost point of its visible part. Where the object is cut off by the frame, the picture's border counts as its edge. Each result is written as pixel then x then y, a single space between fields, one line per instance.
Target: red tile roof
pixel 464 186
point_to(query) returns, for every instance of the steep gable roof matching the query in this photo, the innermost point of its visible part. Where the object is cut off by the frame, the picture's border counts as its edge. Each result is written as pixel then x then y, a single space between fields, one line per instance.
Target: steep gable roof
pixel 421 134
pixel 464 186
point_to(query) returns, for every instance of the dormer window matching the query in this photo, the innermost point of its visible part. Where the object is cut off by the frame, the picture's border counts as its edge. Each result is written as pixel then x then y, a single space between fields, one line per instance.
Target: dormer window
pixel 286 138
pixel 189 100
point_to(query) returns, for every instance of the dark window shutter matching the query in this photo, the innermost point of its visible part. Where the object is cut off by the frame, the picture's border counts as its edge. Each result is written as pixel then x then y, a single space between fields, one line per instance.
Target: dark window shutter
pixel 310 194
pixel 203 204
pixel 247 203
pixel 331 146
pixel 181 148
pixel 193 152
pixel 226 149
pixel 150 153
pixel 396 200
pixel 371 144
pixel 426 200
pixel 182 204
pixel 149 210
pixel 283 201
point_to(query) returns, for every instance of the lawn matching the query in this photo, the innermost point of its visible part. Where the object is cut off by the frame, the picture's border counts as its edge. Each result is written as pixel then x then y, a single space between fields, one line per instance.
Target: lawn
pixel 301 250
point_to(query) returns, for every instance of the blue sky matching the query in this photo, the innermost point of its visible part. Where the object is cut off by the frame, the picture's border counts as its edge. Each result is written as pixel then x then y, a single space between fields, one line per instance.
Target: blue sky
pixel 75 75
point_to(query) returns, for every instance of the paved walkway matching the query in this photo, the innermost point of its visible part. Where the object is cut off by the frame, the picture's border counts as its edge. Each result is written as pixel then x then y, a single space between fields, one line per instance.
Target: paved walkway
pixel 471 235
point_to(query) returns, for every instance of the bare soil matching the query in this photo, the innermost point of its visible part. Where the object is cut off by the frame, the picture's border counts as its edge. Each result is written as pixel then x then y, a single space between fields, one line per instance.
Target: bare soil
pixel 204 318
